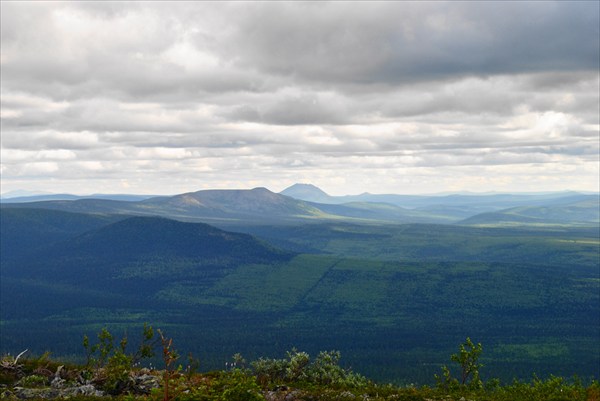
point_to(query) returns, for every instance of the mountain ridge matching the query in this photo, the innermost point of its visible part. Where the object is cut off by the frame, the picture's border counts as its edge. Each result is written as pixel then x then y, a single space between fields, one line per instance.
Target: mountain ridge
pixel 262 206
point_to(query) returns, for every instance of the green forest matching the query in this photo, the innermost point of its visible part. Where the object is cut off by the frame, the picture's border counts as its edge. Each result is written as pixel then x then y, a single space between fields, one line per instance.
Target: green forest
pixel 394 299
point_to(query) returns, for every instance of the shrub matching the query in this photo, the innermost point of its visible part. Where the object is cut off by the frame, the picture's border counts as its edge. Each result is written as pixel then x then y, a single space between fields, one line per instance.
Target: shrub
pixel 552 389
pixel 239 386
pixel 593 391
pixel 33 381
pixel 297 368
pixel 468 360
pixel 111 364
pixel 169 357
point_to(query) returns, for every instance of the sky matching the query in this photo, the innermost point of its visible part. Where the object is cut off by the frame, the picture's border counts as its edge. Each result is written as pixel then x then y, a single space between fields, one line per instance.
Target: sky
pixel 380 97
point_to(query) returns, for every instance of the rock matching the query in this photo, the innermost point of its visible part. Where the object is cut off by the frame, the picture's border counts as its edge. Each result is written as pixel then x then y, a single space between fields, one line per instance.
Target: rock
pixel 58 382
pixel 282 393
pixel 293 396
pixel 86 389
pixel 53 393
pixel 347 395
pixel 29 393
pixel 273 396
pixel 145 383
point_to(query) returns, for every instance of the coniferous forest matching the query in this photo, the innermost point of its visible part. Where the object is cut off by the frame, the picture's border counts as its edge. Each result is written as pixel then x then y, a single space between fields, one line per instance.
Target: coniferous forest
pixel 394 299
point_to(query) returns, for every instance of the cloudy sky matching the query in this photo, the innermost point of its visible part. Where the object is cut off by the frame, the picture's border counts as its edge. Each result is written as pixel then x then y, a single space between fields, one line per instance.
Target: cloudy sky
pixel 384 97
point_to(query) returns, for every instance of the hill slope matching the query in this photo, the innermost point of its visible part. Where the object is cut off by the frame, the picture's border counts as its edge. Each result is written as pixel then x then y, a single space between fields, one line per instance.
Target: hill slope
pixel 24 230
pixel 144 248
pixel 569 212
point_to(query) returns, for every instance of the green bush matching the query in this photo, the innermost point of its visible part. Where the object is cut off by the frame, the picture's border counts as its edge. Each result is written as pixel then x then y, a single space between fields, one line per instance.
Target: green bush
pixel 112 365
pixel 116 373
pixel 298 368
pixel 552 389
pixel 33 381
pixel 239 386
pixel 468 360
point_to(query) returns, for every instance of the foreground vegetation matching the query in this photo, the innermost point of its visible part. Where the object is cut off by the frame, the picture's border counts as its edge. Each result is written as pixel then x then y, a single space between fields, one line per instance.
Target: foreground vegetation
pixel 110 371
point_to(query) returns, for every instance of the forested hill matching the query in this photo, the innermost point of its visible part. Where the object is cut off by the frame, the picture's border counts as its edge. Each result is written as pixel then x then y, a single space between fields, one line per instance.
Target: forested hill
pixel 145 236
pixel 135 247
pixel 25 230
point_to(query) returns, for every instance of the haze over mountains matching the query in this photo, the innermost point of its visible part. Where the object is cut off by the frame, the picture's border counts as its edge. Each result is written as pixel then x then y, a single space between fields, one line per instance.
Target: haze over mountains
pixel 305 202
pixel 24 196
pixel 311 193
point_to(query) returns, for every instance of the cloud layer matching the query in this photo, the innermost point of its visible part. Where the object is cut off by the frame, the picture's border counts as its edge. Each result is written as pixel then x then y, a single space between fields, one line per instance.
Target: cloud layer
pixel 402 97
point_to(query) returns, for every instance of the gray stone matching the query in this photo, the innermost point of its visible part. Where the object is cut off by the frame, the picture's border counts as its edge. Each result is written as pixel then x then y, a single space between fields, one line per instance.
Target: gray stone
pixel 23 393
pixel 145 383
pixel 86 389
pixel 29 393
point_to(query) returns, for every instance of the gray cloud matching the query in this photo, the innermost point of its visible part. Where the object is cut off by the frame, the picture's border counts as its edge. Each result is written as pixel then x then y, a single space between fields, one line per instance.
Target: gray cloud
pixel 399 43
pixel 295 109
pixel 241 94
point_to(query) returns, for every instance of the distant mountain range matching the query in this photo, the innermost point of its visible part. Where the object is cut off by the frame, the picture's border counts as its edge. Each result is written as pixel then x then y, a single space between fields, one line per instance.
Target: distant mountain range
pixel 496 201
pixel 484 209
pixel 217 206
pixel 49 197
pixel 307 203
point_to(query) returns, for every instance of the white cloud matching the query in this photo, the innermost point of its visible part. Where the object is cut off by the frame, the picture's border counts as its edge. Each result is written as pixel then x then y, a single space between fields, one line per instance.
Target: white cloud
pixel 48 139
pixel 380 97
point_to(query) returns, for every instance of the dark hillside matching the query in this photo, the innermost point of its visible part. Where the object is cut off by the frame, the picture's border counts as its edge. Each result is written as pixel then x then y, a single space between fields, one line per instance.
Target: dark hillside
pixel 24 230
pixel 139 236
pixel 143 248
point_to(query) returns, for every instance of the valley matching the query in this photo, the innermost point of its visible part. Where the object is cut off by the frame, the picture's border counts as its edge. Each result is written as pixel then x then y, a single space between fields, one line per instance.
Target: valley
pixel 259 273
